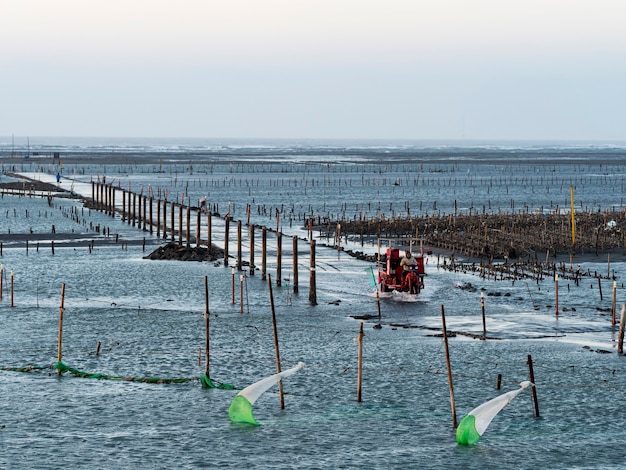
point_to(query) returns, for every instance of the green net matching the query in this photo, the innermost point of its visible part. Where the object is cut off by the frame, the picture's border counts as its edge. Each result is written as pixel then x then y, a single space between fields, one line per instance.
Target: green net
pixel 25 369
pixel 207 382
pixel 62 368
pixel 240 411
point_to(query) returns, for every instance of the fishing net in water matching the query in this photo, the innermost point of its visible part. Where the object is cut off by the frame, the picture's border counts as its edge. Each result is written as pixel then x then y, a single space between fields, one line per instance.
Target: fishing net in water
pixel 206 381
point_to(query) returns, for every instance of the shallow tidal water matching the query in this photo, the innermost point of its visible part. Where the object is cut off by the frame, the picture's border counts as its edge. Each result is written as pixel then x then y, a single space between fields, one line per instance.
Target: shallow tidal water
pixel 148 318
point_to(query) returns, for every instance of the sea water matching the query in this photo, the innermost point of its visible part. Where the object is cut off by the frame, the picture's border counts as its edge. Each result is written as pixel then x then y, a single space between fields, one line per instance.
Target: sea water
pixel 148 317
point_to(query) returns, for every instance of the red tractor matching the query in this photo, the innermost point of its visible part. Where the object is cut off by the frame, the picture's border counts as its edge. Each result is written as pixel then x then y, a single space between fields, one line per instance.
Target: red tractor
pixel 391 275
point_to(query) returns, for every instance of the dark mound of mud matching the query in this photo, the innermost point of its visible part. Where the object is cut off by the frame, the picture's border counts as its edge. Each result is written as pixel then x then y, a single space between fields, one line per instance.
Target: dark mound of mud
pixel 176 252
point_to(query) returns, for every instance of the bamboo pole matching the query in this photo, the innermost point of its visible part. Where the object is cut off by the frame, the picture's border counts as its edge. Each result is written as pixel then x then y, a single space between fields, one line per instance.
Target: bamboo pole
pixel 482 305
pixel 312 285
pixel 239 256
pixel 173 221
pixel 279 258
pixel 531 377
pixel 226 230
pixel 206 327
pixel 450 383
pixel 613 304
pixel 198 226
pixel 556 282
pixel 180 223
pixel 278 368
pixel 158 215
pixel 620 339
pixel 263 253
pixel 232 272
pixel 295 263
pixel 12 290
pixel 209 241
pixel 360 364
pixel 251 249
pixel 241 293
pixel 60 339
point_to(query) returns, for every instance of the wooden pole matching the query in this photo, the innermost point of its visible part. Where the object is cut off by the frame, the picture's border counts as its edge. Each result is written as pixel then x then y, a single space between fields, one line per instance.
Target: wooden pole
pixel 450 384
pixel 60 340
pixel 482 306
pixel 209 241
pixel 123 205
pixel 312 286
pixel 620 340
pixel 150 222
pixel 98 344
pixel 206 327
pixel 251 249
pixel 239 260
pixel 600 288
pixel 278 368
pixel 232 272
pixel 613 304
pixel 180 224
pixel 360 364
pixel 198 224
pixel 12 290
pixel 165 219
pixel 556 282
pixel 226 230
pixel 173 220
pixel 188 228
pixel 1 280
pixel 295 263
pixel 263 253
pixel 144 202
pixel 279 258
pixel 531 377
pixel 158 221
pixel 241 293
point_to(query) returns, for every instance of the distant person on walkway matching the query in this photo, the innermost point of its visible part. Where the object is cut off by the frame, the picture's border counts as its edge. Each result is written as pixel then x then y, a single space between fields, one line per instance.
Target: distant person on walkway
pixel 407 263
pixel 58 177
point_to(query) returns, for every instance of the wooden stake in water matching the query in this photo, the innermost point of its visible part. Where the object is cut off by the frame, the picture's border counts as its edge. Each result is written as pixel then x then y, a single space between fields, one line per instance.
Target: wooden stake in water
pixel 482 305
pixel 279 258
pixel 12 290
pixel 531 377
pixel 450 384
pixel 295 264
pixel 360 364
pixel 239 256
pixel 620 339
pixel 232 272
pixel 251 249
pixel 278 368
pixel 206 326
pixel 263 253
pixel 312 286
pixel 60 340
pixel 556 282
pixel 613 304
pixel 241 293
pixel 226 230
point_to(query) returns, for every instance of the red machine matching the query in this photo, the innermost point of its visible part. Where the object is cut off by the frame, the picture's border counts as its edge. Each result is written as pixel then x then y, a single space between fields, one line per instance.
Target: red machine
pixel 390 273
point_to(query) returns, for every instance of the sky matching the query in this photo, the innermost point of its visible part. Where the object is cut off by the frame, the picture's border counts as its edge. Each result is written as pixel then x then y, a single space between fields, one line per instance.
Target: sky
pixel 314 69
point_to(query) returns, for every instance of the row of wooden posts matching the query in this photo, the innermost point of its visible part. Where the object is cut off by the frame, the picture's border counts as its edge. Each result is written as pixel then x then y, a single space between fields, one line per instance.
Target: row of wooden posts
pixel 137 210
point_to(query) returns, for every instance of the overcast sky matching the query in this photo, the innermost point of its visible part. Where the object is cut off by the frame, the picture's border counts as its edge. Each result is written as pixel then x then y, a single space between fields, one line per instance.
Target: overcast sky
pixel 390 69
